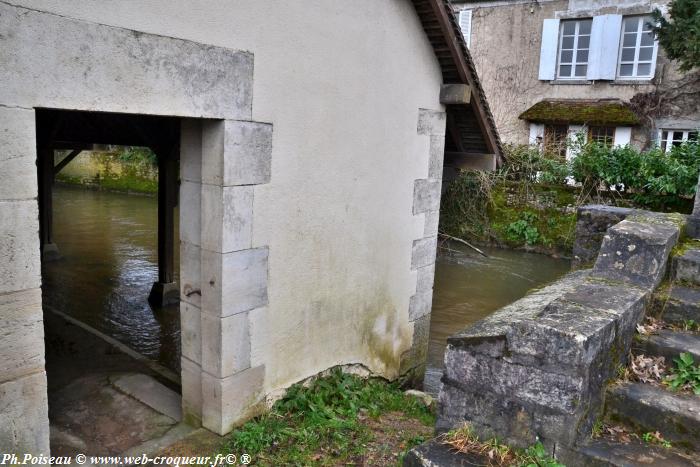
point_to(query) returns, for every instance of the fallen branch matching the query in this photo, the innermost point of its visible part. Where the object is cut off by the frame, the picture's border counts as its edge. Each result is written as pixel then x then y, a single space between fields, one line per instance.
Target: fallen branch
pixel 450 237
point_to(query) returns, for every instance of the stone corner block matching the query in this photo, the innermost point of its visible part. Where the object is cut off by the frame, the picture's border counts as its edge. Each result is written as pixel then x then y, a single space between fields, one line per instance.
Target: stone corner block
pixel 24 411
pixel 17 153
pixel 227 218
pixel 225 344
pixel 229 402
pixel 20 267
pixel 234 282
pixel 423 252
pixel 191 379
pixel 420 305
pixel 636 252
pixel 191 332
pixel 22 335
pixel 426 195
pixel 431 122
pixel 236 153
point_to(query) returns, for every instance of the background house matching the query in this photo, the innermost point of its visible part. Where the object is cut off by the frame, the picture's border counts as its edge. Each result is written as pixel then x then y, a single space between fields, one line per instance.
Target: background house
pixel 553 67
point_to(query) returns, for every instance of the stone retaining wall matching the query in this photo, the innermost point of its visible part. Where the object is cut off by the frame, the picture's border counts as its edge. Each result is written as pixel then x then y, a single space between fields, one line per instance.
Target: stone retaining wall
pixel 539 367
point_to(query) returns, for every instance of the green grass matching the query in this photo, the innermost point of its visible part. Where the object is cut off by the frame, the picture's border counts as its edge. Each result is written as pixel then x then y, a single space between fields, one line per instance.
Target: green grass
pixel 324 417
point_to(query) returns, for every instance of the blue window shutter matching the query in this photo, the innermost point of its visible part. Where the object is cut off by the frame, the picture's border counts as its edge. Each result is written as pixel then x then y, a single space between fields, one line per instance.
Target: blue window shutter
pixel 605 43
pixel 548 51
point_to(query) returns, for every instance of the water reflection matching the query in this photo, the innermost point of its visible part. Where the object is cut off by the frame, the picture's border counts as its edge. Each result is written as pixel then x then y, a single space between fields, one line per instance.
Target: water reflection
pixel 109 263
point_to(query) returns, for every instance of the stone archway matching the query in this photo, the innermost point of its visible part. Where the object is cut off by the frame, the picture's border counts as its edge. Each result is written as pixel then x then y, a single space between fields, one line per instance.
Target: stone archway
pixel 54 62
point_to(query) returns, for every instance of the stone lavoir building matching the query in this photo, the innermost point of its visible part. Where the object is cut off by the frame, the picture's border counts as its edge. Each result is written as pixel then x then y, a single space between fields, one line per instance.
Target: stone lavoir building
pixel 309 137
pixel 552 68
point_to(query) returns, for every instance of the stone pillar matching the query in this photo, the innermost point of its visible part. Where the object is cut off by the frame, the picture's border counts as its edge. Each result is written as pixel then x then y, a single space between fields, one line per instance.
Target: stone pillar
pixel 49 250
pixel 426 202
pixel 24 426
pixel 235 157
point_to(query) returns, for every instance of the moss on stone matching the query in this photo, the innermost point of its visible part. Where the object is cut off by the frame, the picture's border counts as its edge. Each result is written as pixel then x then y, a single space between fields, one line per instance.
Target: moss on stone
pixel 598 112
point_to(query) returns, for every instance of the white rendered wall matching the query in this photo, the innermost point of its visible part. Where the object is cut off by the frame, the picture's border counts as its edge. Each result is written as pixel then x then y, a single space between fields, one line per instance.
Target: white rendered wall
pixel 342 83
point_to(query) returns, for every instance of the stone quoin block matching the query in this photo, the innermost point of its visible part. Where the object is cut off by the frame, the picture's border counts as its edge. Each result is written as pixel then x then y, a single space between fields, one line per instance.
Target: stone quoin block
pixel 191 332
pixel 190 273
pixel 21 334
pixel 437 156
pixel 227 218
pixel 230 401
pixel 420 305
pixel 426 195
pixel 432 220
pixel 636 252
pixel 20 268
pixel 236 153
pixel 426 278
pixel 423 253
pixel 431 122
pixel 190 206
pixel 24 412
pixel 191 150
pixel 137 73
pixel 191 381
pixel 234 282
pixel 225 344
pixel 417 355
pixel 17 154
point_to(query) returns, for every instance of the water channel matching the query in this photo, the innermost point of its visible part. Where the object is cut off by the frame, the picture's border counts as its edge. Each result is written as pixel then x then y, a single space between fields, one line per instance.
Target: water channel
pixel 108 244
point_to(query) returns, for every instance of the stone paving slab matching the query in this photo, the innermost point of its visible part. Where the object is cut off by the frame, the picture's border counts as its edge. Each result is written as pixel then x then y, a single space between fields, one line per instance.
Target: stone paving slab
pixel 146 389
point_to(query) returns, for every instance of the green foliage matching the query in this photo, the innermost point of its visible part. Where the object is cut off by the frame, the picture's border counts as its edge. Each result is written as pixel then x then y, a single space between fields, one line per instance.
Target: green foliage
pixel 537 456
pixel 654 437
pixel 137 155
pixel 686 375
pixel 323 415
pixel 680 37
pixel 523 230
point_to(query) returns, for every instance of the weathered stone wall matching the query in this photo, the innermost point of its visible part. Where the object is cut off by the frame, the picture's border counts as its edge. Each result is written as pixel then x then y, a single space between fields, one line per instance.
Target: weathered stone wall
pixel 538 367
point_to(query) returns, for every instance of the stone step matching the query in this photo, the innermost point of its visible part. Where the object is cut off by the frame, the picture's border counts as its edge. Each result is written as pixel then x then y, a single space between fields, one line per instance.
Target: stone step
pixel 603 453
pixel 669 344
pixel 685 267
pixel 677 304
pixel 649 408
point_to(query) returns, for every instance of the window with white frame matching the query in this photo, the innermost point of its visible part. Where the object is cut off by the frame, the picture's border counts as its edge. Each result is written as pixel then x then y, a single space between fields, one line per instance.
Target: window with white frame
pixel 574 42
pixel 670 138
pixel 637 48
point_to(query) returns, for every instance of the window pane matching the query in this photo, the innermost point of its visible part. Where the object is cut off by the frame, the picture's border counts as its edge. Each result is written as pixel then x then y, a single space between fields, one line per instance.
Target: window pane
pixel 644 69
pixel 585 27
pixel 583 42
pixel 693 136
pixel 630 40
pixel 677 136
pixel 647 23
pixel 645 53
pixel 566 56
pixel 647 39
pixel 569 27
pixel 631 24
pixel 626 70
pixel 581 70
pixel 582 56
pixel 565 70
pixel 627 55
pixel 664 135
pixel 567 43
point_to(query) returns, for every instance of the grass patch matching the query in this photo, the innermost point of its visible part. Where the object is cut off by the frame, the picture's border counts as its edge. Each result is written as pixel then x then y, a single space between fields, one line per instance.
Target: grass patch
pixel 329 421
pixel 465 441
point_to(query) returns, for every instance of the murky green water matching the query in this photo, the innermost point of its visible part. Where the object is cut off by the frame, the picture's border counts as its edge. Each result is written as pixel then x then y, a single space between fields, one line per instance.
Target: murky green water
pixel 108 243
pixel 469 287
